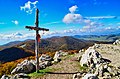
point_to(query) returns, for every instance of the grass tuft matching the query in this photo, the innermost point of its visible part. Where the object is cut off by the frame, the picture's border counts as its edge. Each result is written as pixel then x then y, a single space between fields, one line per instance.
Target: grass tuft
pixel 41 72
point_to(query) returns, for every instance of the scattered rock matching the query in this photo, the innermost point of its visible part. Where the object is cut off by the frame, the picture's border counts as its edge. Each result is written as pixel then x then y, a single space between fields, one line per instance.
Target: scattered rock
pixel 98 66
pixel 77 76
pixel 21 76
pixel 90 76
pixel 24 67
pixel 117 42
pixel 107 75
pixel 44 64
pixel 96 45
pixel 57 56
pixel 5 77
pixel 45 57
pixel 33 62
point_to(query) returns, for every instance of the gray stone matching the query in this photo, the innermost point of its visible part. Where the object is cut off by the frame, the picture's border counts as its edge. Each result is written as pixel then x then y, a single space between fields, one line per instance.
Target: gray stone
pixel 107 75
pixel 24 67
pixel 117 42
pixel 44 64
pixel 90 76
pixel 57 56
pixel 91 56
pixel 21 76
pixel 77 76
pixel 45 57
pixel 109 69
pixel 5 77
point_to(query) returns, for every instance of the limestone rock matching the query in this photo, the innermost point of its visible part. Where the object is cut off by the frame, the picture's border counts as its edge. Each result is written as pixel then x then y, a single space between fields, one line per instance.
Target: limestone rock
pixel 117 42
pixel 4 77
pixel 57 56
pixel 33 62
pixel 107 75
pixel 44 64
pixel 91 56
pixel 77 76
pixel 90 76
pixel 24 67
pixel 21 76
pixel 45 57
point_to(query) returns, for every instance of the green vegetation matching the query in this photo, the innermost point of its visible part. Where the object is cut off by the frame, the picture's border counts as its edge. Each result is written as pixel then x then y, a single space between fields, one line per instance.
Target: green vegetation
pixel 41 72
pixel 83 68
pixel 68 56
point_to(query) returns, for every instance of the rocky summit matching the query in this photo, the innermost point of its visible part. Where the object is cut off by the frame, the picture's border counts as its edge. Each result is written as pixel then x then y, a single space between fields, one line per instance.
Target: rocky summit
pixel 98 67
pixel 101 61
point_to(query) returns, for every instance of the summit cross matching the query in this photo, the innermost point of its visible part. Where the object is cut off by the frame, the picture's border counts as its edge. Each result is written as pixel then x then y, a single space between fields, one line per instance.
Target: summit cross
pixel 37 29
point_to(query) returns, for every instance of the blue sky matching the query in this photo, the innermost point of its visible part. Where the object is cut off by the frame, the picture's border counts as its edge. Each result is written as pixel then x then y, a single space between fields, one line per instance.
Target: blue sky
pixel 62 17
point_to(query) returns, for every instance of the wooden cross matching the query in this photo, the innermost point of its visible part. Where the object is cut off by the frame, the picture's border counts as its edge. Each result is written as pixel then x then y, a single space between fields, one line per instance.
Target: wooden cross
pixel 37 29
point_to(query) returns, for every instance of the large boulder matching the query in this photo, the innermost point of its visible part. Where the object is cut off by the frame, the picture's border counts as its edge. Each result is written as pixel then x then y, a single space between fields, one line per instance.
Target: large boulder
pixel 91 57
pixel 57 56
pixel 24 67
pixel 45 57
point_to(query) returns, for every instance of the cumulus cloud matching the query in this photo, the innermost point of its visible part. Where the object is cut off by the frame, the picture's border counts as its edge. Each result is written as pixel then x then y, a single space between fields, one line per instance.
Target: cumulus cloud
pixel 29 7
pixel 72 18
pixel 73 9
pixel 15 22
pixel 89 25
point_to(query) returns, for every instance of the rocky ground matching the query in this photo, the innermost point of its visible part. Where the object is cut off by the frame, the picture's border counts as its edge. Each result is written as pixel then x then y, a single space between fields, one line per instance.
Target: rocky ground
pixel 111 52
pixel 70 64
pixel 64 69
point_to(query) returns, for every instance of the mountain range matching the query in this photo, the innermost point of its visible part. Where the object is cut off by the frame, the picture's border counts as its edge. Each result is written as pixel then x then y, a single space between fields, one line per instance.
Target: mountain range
pixel 21 49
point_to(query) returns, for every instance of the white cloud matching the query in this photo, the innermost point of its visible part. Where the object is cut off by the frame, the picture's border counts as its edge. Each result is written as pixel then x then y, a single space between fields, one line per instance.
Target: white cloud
pixel 16 36
pixel 87 21
pixel 73 9
pixel 29 7
pixel 72 18
pixel 15 22
pixel 50 23
pixel 108 28
pixel 69 31
pixel 89 25
pixel 102 17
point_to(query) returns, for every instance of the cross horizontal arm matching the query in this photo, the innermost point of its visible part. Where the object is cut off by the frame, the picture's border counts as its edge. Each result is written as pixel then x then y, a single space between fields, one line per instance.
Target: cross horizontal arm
pixel 36 28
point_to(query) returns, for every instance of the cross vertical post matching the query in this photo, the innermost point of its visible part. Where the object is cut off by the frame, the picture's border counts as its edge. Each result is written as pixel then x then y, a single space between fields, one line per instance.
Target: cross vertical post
pixel 37 29
pixel 36 42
